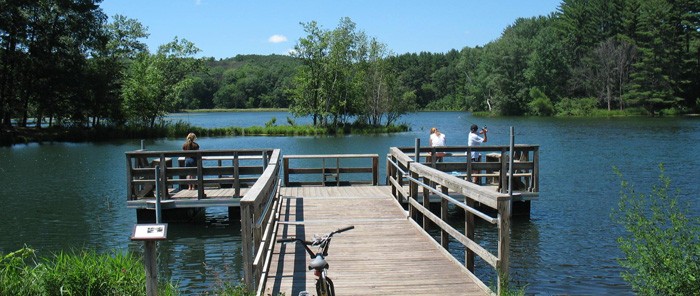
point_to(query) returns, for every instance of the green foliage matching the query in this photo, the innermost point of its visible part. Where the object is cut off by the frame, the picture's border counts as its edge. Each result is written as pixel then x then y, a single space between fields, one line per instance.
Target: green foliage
pixel 662 241
pixel 271 122
pixel 77 273
pixel 154 83
pixel 629 54
pixel 576 107
pixel 16 276
pixel 540 105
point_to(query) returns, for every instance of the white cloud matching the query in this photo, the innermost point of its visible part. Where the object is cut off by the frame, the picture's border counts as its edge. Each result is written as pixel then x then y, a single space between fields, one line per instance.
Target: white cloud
pixel 277 39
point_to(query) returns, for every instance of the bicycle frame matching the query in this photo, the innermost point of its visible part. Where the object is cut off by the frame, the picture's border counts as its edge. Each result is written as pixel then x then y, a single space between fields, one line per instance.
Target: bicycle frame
pixel 324 285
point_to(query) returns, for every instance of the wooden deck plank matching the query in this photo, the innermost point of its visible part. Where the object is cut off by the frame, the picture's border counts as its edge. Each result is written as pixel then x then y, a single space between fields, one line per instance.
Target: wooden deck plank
pixel 384 255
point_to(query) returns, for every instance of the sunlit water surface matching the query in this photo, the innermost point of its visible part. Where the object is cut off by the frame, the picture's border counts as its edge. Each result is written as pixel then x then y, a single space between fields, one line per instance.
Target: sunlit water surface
pixel 62 196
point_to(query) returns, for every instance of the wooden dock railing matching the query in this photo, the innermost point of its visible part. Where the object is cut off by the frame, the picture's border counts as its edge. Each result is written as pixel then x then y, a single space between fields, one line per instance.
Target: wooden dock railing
pixel 259 213
pixel 219 168
pixel 402 170
pixel 493 167
pixel 331 169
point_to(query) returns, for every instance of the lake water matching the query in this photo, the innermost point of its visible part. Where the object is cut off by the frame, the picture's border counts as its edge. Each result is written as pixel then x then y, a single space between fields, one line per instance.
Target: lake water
pixel 61 196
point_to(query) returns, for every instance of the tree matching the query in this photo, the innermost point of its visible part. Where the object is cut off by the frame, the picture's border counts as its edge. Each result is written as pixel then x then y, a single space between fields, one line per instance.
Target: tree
pixel 312 50
pixel 154 83
pixel 652 86
pixel 107 65
pixel 605 73
pixel 662 240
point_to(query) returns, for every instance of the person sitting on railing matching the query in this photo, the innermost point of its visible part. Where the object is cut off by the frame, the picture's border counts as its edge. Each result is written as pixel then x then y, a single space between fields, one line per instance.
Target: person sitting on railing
pixel 476 140
pixel 190 144
pixel 437 139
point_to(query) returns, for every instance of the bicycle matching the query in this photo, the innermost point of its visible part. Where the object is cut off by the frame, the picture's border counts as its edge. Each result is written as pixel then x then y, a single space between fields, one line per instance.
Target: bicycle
pixel 324 284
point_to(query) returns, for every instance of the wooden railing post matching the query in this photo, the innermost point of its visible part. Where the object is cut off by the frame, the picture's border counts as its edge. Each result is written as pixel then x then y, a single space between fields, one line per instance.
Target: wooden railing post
pixel 416 151
pixel 426 202
pixel 444 236
pixel 375 170
pixel 413 192
pixel 469 227
pixel 129 179
pixel 504 208
pixel 247 245
pixel 236 175
pixel 286 171
pixel 163 177
pixel 200 177
pixel 536 170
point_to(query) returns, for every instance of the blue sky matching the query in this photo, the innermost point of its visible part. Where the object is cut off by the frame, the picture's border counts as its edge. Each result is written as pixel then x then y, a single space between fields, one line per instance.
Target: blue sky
pixel 226 28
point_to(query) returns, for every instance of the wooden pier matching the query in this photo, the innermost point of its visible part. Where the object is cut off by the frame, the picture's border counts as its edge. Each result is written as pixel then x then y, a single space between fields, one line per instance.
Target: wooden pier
pixel 386 253
pixel 390 251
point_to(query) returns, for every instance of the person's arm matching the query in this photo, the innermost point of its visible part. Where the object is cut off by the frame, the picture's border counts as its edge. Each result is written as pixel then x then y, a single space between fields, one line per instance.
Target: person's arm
pixel 485 137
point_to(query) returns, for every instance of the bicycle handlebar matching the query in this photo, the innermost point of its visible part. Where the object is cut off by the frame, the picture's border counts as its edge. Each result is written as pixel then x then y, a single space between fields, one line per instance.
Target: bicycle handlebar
pixel 286 240
pixel 344 229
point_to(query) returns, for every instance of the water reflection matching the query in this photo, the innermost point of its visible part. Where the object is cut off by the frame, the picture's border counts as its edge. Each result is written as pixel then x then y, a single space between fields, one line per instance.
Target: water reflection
pixel 58 196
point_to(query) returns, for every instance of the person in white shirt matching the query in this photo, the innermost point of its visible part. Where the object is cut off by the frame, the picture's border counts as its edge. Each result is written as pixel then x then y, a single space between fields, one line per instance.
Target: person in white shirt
pixel 437 139
pixel 476 140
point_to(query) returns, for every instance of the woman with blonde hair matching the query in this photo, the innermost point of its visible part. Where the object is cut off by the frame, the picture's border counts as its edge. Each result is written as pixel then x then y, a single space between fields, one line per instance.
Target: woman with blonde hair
pixel 437 139
pixel 190 144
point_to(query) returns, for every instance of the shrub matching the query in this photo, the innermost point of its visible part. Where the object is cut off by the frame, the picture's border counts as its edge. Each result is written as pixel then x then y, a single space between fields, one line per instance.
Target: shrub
pixel 540 105
pixel 576 107
pixel 661 244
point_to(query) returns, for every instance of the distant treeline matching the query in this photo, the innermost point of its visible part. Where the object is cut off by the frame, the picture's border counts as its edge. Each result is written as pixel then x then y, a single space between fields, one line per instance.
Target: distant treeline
pixel 62 63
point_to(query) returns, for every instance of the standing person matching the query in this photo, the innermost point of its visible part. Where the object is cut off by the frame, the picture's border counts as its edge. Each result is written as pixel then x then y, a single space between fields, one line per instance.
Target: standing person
pixel 190 144
pixel 476 140
pixel 437 139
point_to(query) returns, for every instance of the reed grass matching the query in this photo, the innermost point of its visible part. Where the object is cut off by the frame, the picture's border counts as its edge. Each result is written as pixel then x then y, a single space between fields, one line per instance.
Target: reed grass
pixel 74 273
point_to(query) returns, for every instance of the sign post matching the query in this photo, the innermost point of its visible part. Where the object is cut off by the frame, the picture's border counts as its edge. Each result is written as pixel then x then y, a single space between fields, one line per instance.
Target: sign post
pixel 149 234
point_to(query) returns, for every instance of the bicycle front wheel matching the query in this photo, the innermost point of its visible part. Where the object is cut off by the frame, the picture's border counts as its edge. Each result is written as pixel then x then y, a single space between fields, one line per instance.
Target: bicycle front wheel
pixel 325 288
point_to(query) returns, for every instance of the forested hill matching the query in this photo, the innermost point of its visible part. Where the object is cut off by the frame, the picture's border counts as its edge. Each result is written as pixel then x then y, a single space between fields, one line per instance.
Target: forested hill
pixel 67 65
pixel 245 81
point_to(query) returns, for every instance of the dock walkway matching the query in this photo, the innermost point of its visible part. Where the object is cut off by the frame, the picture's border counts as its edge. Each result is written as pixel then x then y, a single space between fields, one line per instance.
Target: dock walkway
pixel 386 253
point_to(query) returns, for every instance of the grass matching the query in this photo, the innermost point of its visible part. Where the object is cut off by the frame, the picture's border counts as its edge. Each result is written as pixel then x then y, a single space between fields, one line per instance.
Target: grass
pixel 178 129
pixel 74 273
pixel 235 110
pixel 84 272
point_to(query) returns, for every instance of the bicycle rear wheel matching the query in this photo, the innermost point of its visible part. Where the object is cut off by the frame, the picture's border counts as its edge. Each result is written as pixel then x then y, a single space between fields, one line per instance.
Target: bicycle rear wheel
pixel 325 290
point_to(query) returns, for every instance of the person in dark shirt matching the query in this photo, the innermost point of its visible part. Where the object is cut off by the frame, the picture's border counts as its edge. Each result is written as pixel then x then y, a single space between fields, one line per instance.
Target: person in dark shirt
pixel 190 144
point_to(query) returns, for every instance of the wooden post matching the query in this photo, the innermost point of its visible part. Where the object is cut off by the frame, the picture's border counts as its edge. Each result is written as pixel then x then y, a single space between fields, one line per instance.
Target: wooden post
pixel 264 160
pixel 149 258
pixel 129 188
pixel 247 246
pixel 502 174
pixel 286 171
pixel 511 155
pixel 416 151
pixel 236 175
pixel 536 170
pixel 426 202
pixel 504 209
pixel 444 236
pixel 200 178
pixel 469 232
pixel 469 165
pixel 158 195
pixel 413 193
pixel 337 171
pixel 375 170
pixel 163 177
